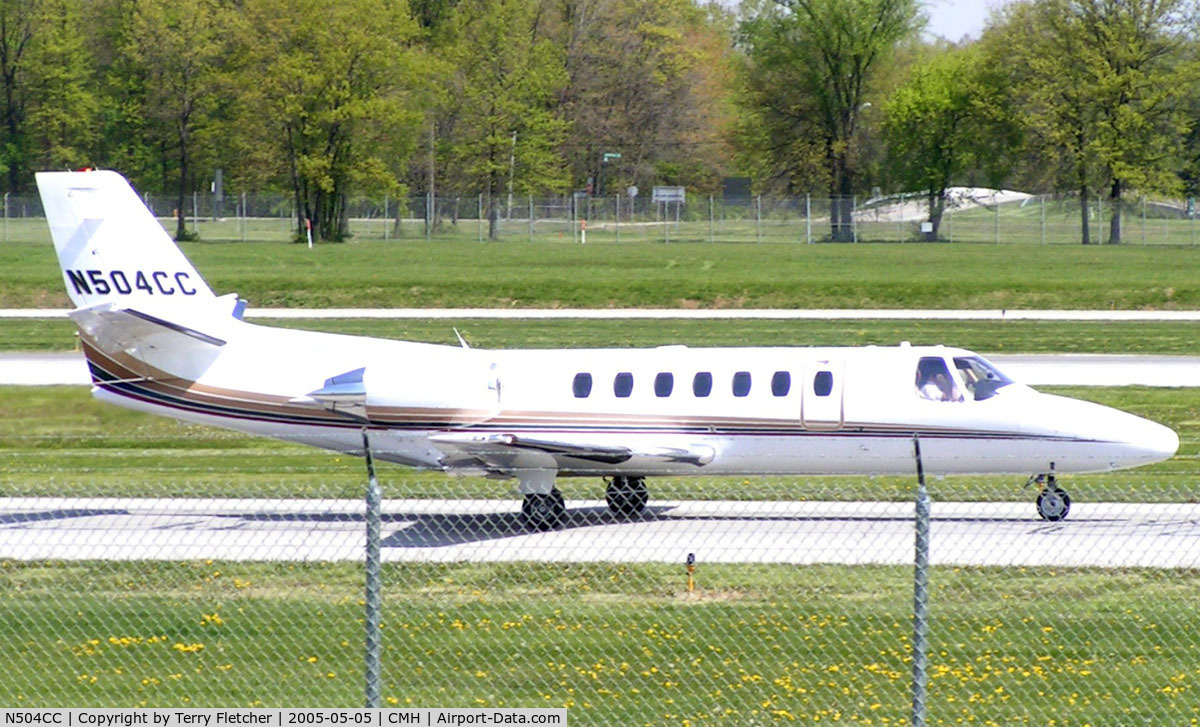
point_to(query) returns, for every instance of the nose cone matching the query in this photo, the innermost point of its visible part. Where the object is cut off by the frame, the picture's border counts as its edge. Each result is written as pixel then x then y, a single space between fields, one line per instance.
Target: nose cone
pixel 1155 441
pixel 1118 439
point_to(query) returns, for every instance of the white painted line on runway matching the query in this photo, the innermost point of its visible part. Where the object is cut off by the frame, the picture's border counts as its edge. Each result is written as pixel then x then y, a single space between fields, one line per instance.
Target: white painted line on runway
pixel 672 313
pixel 983 534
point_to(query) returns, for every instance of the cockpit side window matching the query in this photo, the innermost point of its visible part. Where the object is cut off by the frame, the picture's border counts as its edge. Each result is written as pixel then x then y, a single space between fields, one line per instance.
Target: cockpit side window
pixel 980 376
pixel 934 381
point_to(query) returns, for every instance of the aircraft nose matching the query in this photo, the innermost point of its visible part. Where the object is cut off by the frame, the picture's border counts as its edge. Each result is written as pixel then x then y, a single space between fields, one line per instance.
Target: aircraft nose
pixel 1159 442
pixel 1145 441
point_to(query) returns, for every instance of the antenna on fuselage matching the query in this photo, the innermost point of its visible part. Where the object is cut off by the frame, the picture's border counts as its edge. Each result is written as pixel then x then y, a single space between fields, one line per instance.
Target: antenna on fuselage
pixel 462 341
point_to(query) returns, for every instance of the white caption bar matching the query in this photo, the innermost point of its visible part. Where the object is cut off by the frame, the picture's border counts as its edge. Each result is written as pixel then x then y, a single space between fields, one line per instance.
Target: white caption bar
pixel 425 717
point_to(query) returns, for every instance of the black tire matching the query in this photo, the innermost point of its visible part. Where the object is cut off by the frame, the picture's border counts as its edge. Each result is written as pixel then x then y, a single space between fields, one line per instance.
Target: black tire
pixel 626 496
pixel 544 511
pixel 1053 505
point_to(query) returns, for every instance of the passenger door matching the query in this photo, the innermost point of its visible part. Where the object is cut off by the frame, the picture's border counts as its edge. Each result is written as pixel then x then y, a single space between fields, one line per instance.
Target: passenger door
pixel 821 402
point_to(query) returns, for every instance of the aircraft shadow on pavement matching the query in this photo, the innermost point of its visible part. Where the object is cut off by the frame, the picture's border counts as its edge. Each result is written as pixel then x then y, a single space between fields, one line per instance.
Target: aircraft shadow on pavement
pixel 20 518
pixel 434 530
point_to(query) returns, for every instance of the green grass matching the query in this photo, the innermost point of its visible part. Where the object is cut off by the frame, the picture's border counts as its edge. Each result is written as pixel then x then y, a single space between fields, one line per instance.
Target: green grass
pixel 1181 338
pixel 60 441
pixel 701 275
pixel 754 644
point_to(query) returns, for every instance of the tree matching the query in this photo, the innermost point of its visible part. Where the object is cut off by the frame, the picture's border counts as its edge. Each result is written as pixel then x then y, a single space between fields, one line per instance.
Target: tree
pixel 649 80
pixel 180 46
pixel 947 119
pixel 48 106
pixel 503 126
pixel 325 101
pixel 810 67
pixel 1099 82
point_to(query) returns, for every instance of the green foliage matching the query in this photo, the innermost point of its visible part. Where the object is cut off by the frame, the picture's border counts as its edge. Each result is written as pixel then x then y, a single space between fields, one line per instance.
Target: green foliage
pixel 811 63
pixel 1096 83
pixel 323 99
pixel 502 130
pixel 948 119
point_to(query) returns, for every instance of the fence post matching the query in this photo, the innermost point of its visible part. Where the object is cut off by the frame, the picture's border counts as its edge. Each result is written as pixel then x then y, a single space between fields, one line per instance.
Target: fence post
pixel 6 216
pixel 387 220
pixel 920 643
pixel 758 219
pixel 373 595
pixel 996 206
pixel 854 217
pixel 480 216
pixel 618 222
pixel 710 219
pixel 1043 219
pixel 808 218
pixel 1143 220
pixel 196 213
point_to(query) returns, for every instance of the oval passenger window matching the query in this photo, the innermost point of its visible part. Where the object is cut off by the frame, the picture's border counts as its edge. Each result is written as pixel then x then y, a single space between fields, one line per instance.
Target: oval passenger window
pixel 823 383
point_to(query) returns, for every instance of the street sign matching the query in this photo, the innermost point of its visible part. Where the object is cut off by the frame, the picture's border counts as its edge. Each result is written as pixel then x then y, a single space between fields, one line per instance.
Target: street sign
pixel 669 194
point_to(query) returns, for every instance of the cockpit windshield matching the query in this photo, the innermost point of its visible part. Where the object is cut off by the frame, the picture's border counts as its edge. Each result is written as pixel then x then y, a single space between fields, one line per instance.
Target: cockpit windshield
pixel 980 377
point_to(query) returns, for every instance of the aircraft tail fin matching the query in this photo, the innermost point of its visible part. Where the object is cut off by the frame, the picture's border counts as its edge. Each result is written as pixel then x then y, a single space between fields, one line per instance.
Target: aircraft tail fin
pixel 111 248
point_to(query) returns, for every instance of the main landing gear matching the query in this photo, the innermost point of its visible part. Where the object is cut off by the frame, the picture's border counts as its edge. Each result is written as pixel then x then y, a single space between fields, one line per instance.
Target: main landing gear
pixel 544 511
pixel 626 497
pixel 1053 502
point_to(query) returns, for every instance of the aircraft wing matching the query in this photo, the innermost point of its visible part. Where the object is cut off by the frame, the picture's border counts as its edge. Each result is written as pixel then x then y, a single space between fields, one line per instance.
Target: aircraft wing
pixel 502 451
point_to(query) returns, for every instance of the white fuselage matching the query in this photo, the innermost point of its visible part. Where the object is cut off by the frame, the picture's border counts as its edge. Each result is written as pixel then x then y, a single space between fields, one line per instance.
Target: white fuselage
pixel 734 410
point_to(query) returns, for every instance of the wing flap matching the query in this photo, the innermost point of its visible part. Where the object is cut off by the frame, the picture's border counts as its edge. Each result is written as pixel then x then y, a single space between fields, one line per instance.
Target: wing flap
pixel 501 451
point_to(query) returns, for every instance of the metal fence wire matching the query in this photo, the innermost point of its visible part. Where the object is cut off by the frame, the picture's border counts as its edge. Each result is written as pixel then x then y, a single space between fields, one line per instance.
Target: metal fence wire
pixel 147 564
pixel 971 215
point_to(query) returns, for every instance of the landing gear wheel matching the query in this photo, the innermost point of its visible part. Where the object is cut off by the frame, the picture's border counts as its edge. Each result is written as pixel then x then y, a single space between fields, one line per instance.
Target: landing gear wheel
pixel 626 496
pixel 1053 504
pixel 544 511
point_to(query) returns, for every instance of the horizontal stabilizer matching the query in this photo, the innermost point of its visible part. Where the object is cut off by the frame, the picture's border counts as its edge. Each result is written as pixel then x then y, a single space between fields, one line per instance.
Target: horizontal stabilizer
pixel 114 329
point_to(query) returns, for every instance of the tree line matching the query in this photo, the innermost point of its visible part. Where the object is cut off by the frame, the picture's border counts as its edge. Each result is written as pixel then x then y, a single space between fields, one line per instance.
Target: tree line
pixel 327 99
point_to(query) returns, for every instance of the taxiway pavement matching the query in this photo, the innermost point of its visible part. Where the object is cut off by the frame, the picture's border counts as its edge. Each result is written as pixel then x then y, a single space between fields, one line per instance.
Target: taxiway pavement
pixel 977 534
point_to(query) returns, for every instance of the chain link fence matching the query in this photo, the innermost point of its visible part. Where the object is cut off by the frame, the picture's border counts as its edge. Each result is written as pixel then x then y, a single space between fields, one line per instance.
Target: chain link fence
pixel 147 564
pixel 971 215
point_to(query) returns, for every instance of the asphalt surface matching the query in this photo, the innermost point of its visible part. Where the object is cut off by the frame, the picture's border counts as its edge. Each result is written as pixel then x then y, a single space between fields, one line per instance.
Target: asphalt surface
pixel 993 534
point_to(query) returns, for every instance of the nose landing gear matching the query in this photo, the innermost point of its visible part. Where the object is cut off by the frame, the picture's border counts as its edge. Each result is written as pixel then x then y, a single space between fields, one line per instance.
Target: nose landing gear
pixel 1053 502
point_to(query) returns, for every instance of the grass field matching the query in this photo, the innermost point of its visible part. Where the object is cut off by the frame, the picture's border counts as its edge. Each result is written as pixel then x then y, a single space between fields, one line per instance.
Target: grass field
pixel 693 275
pixel 58 440
pixel 1181 338
pixel 614 644
pixel 756 644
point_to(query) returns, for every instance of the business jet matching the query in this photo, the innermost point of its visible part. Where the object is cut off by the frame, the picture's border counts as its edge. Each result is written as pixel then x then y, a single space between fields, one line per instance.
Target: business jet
pixel 158 340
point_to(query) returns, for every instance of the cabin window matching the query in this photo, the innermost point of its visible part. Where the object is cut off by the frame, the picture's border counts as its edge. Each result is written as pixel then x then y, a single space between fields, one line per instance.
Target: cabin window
pixel 741 383
pixel 663 384
pixel 702 384
pixel 980 377
pixel 582 386
pixel 623 384
pixel 934 381
pixel 781 383
pixel 823 383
